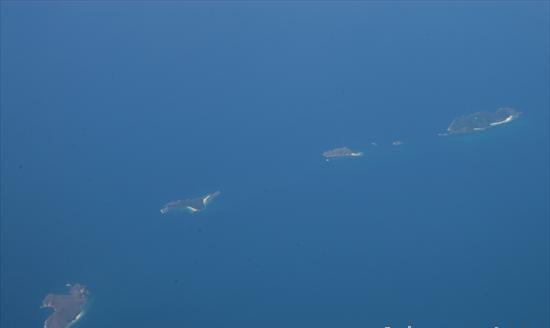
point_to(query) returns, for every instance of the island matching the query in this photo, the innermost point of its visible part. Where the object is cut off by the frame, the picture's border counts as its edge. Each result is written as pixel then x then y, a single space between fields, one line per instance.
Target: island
pixel 68 308
pixel 191 205
pixel 341 152
pixel 481 121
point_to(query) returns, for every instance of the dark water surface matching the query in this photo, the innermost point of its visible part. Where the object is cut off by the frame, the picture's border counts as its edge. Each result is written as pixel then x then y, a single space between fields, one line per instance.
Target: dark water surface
pixel 108 111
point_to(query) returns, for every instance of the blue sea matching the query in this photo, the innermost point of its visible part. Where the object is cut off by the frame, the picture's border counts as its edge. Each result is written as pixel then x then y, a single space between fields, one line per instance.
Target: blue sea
pixel 109 110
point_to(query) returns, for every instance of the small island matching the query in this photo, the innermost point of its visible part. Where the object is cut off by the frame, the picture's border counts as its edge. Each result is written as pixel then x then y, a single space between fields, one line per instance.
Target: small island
pixel 192 205
pixel 68 308
pixel 340 152
pixel 481 121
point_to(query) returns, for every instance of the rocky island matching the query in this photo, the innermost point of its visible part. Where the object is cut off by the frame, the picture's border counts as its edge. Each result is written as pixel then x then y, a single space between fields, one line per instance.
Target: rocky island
pixel 481 121
pixel 190 205
pixel 68 308
pixel 341 152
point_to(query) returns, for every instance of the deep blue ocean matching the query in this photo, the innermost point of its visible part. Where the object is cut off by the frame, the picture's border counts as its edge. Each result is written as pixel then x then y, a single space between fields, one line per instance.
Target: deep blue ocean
pixel 111 110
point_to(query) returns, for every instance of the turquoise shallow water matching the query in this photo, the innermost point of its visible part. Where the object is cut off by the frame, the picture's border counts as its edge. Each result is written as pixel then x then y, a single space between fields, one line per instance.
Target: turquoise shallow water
pixel 110 111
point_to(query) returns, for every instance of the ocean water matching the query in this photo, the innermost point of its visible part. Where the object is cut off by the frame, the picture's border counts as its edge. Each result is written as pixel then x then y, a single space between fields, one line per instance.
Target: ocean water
pixel 110 110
